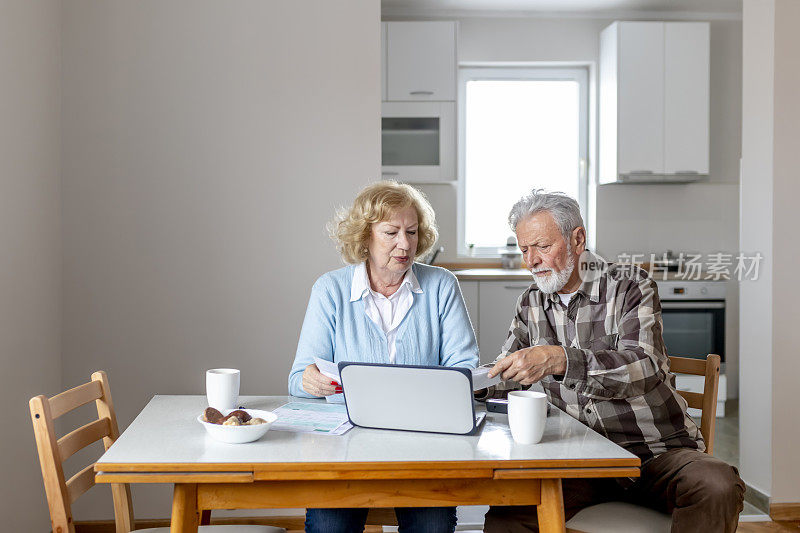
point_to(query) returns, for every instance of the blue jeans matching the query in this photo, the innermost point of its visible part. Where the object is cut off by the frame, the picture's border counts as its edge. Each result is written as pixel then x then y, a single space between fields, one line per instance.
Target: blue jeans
pixel 410 520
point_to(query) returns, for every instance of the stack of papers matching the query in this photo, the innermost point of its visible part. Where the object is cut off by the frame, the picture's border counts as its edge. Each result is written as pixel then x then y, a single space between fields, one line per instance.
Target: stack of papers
pixel 300 417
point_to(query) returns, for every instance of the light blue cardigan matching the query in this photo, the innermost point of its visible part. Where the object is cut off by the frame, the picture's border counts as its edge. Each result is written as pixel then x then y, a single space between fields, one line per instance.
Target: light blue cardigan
pixel 436 330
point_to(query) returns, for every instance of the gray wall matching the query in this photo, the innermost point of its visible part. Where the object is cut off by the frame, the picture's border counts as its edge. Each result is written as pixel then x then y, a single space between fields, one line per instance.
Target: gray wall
pixel 205 147
pixel 30 244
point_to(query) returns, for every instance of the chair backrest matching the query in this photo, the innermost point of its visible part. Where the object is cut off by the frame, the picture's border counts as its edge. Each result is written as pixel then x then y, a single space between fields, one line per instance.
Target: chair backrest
pixel 707 401
pixel 61 492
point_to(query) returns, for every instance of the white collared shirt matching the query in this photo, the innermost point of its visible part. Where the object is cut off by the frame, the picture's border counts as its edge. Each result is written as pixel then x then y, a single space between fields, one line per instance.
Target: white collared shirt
pixel 386 312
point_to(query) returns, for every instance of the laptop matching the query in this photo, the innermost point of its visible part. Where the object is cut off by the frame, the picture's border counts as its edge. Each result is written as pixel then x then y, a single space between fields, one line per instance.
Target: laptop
pixel 433 399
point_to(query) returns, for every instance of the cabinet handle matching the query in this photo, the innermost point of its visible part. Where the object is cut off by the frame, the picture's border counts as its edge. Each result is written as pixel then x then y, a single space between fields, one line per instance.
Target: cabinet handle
pixel 640 172
pixel 516 287
pixel 689 172
pixel 421 93
pixel 389 173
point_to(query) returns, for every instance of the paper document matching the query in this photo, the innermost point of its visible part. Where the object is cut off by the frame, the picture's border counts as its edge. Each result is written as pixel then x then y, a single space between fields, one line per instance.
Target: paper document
pixel 335 398
pixel 481 380
pixel 328 368
pixel 331 370
pixel 300 417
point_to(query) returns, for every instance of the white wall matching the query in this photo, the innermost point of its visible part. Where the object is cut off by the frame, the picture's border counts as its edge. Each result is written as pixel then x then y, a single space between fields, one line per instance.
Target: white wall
pixel 769 334
pixel 30 244
pixel 205 147
pixel 786 257
pixel 755 309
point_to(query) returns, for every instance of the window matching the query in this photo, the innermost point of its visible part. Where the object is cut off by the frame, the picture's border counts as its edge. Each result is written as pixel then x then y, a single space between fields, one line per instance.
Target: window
pixel 519 128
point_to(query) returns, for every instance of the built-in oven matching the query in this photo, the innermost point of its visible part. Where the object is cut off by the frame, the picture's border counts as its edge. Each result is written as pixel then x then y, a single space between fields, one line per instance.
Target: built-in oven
pixel 693 313
pixel 693 316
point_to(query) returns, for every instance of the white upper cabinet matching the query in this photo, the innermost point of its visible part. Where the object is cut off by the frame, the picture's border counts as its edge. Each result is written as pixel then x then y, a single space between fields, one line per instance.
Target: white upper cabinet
pixel 640 90
pixel 383 62
pixel 654 101
pixel 686 97
pixel 421 61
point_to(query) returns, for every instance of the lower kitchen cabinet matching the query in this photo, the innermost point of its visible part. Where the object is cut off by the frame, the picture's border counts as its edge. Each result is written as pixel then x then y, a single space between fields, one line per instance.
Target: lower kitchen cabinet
pixel 497 305
pixel 469 289
pixel 491 306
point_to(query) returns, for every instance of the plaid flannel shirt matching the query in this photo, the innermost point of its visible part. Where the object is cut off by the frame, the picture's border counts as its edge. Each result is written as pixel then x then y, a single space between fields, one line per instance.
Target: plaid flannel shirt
pixel 617 380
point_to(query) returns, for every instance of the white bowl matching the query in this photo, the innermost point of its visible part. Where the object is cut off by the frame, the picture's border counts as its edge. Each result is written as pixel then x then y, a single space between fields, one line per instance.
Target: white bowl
pixel 240 434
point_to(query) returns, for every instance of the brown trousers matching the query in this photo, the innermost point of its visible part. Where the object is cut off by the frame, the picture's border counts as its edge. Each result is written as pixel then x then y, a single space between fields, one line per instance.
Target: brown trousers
pixel 703 494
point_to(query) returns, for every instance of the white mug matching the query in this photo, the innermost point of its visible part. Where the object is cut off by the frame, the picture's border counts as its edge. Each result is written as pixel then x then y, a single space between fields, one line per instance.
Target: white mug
pixel 222 388
pixel 527 415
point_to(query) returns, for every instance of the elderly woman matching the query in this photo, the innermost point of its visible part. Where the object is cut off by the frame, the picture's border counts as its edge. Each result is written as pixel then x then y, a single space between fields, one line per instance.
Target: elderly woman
pixel 383 308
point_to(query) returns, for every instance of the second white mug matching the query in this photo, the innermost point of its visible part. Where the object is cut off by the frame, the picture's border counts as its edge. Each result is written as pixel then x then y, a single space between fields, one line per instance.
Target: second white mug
pixel 527 416
pixel 222 388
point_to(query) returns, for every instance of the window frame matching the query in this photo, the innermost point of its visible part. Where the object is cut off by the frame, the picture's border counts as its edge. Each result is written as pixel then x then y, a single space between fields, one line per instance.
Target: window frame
pixel 466 73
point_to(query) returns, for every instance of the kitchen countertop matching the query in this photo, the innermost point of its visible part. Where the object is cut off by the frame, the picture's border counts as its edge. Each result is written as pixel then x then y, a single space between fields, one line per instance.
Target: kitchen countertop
pixel 493 274
pixel 521 274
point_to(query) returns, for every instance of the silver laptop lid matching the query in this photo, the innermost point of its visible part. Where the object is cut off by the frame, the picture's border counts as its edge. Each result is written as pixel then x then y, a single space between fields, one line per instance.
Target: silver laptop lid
pixel 412 398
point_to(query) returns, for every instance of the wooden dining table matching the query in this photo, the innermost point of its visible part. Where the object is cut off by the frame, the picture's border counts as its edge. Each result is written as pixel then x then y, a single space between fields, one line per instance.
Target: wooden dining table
pixel 362 468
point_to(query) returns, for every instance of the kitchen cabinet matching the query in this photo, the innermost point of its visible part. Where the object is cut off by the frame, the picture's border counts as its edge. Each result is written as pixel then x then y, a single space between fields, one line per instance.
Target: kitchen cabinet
pixel 383 61
pixel 418 82
pixel 469 290
pixel 654 101
pixel 420 61
pixel 497 305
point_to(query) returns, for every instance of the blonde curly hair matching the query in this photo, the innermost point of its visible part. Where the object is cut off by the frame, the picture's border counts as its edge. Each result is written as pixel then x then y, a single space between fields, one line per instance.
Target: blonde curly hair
pixel 351 228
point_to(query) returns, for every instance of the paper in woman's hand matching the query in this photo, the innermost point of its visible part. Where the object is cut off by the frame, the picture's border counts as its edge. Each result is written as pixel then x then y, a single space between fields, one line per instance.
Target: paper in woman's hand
pixel 331 370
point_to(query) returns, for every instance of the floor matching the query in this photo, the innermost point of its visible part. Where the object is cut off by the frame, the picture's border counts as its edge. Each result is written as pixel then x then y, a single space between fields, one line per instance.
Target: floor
pixel 768 527
pixel 726 434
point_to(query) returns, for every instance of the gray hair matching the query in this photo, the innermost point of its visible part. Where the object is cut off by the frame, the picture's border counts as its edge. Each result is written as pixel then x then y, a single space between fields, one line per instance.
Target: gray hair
pixel 565 210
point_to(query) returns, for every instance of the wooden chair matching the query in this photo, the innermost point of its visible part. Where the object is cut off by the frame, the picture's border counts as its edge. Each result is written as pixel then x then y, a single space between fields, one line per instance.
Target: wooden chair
pixel 623 517
pixel 62 493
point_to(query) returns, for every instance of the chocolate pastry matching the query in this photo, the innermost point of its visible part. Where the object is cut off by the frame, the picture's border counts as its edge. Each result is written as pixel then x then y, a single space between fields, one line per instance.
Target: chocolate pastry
pixel 241 415
pixel 212 415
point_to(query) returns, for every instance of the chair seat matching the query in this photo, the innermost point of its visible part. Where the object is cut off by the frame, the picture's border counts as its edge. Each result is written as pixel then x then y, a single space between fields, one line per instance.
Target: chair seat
pixel 620 517
pixel 219 529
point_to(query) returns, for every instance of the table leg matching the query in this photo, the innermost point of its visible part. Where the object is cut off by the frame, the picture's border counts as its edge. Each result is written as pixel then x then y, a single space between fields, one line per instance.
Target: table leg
pixel 185 516
pixel 551 510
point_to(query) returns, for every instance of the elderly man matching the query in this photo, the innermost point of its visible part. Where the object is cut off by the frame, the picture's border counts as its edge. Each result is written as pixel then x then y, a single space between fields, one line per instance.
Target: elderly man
pixel 590 333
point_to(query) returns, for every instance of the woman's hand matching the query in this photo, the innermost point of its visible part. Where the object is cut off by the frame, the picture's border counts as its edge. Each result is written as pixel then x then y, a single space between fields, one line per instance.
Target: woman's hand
pixel 318 384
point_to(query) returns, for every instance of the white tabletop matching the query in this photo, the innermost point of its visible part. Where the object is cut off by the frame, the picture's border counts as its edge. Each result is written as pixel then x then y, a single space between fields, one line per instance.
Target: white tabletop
pixel 167 431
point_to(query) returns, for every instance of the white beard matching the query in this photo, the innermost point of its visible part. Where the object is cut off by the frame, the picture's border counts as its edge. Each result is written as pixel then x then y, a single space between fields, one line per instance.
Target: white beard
pixel 555 281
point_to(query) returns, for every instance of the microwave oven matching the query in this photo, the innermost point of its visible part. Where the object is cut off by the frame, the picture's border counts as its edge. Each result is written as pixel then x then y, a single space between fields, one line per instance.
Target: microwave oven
pixel 418 141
